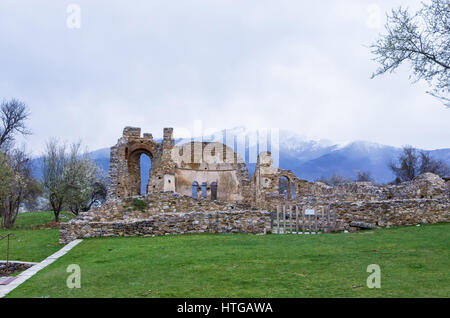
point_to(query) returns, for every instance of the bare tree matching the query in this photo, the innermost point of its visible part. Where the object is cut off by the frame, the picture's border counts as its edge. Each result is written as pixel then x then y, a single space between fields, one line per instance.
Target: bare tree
pixel 82 201
pixel 323 180
pixel 34 201
pixel 20 185
pixel 422 39
pixel 54 182
pixel 406 169
pixel 6 176
pixel 428 164
pixel 334 179
pixel 71 179
pixel 337 178
pixel 16 181
pixel 86 185
pixel 412 163
pixel 13 115
pixel 364 176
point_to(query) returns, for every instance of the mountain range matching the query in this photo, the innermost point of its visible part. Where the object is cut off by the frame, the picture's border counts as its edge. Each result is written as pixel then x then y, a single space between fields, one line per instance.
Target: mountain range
pixel 308 159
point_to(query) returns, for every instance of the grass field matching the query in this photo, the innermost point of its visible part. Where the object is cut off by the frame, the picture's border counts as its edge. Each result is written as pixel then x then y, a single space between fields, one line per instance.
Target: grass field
pixel 414 262
pixel 29 244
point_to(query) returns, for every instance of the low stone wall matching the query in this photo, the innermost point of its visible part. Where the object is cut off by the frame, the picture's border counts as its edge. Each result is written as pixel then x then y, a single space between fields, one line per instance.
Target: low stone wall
pixel 255 222
pixel 387 213
pixel 426 199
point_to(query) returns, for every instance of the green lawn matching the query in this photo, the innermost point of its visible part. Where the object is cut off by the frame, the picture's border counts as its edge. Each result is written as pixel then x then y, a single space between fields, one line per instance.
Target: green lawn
pixel 414 262
pixel 32 219
pixel 29 244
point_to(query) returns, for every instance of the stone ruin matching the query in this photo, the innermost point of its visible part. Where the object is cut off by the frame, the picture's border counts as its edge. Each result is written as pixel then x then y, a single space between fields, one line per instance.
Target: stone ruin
pixel 205 187
pixel 207 169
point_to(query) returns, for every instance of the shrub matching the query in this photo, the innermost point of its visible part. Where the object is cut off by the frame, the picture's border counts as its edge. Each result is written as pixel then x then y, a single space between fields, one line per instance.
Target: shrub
pixel 139 204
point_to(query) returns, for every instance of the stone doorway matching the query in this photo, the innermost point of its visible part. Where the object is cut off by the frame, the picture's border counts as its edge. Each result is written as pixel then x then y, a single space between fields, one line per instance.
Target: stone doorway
pixel 139 166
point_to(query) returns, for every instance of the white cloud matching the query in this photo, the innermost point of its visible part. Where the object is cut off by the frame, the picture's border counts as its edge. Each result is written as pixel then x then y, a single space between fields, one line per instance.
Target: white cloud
pixel 284 64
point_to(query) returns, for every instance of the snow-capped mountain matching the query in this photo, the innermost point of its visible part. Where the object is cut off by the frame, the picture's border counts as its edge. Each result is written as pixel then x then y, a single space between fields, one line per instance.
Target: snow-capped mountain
pixel 308 158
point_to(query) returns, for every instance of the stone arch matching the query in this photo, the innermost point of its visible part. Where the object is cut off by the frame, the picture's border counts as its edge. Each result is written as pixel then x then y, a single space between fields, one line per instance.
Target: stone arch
pixel 134 168
pixel 124 168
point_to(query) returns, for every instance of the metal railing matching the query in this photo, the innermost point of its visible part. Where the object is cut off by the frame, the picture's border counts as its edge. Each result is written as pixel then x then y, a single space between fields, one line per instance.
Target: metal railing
pixel 7 250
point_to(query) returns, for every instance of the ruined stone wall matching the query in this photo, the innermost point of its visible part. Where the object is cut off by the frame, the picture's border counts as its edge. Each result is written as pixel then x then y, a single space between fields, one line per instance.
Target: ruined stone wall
pixel 254 222
pixel 385 213
pixel 163 166
pixel 265 184
pixel 266 181
pixel 388 213
pixel 124 171
pixel 210 162
pixel 154 203
pixel 175 168
pixel 426 186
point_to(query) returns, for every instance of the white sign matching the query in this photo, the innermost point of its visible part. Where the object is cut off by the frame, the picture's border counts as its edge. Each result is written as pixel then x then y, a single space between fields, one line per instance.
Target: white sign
pixel 310 212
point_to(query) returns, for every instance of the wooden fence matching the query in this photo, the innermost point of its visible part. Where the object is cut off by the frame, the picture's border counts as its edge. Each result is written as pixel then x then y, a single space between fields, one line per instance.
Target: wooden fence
pixel 290 219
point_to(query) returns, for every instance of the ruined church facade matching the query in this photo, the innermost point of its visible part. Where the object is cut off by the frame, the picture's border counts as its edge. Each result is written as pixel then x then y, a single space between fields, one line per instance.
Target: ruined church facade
pixel 209 170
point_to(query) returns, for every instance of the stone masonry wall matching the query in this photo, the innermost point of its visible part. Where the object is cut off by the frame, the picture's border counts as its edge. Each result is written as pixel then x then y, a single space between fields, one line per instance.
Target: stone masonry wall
pixel 255 222
pixel 140 207
pixel 387 213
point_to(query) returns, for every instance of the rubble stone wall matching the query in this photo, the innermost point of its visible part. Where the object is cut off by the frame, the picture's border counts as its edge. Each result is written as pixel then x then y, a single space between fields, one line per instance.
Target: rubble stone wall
pixel 255 222
pixel 387 213
pixel 140 207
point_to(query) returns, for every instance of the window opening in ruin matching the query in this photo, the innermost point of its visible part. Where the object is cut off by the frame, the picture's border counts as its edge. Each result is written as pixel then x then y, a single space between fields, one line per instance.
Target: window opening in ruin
pixel 214 191
pixel 283 187
pixel 194 189
pixel 146 165
pixel 204 189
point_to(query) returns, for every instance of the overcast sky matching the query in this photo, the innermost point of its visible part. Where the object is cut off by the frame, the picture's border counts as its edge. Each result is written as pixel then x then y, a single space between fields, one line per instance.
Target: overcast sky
pixel 297 65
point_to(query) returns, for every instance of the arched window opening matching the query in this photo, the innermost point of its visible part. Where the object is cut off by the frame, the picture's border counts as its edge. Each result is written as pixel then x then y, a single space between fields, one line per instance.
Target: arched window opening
pixel 194 189
pixel 204 189
pixel 283 187
pixel 214 191
pixel 145 166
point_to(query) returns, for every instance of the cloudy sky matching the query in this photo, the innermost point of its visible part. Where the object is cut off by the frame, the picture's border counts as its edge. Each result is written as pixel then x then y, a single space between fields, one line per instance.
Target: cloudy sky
pixel 297 65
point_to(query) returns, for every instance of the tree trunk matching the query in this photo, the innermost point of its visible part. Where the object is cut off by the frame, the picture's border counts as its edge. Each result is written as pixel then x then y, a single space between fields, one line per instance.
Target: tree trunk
pixel 56 216
pixel 9 215
pixel 7 222
pixel 56 207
